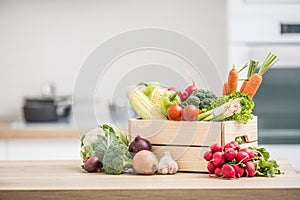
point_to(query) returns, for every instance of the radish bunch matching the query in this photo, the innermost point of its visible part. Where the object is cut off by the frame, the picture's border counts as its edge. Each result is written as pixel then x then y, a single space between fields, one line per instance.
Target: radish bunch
pixel 230 160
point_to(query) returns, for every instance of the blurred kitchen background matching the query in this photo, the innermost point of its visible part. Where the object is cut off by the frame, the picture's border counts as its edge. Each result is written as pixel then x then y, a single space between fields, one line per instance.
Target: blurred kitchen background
pixel 45 43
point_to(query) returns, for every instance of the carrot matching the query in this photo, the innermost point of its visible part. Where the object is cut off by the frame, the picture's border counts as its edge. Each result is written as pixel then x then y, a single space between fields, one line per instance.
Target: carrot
pixel 244 85
pixel 256 79
pixel 253 85
pixel 232 80
pixel 225 85
pixel 252 67
pixel 225 88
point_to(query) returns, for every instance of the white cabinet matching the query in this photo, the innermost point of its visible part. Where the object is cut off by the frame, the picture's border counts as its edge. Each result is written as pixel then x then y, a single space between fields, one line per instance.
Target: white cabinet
pixel 40 149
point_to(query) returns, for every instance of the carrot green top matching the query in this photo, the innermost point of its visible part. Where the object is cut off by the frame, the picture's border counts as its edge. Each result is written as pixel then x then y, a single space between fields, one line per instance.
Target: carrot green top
pixel 243 67
pixel 270 60
pixel 252 67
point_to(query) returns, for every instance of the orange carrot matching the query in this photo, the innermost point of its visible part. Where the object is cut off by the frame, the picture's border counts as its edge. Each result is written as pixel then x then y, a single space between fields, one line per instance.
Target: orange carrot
pixel 256 79
pixel 253 85
pixel 252 67
pixel 225 89
pixel 244 85
pixel 232 80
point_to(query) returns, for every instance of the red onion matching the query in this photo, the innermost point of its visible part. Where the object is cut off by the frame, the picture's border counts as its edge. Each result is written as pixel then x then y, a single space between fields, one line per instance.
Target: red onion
pixel 191 88
pixel 92 164
pixel 139 144
pixel 183 95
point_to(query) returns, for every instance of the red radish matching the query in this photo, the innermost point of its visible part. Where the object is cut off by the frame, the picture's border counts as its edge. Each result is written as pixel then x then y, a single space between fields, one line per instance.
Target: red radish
pixel 191 88
pixel 242 157
pixel 229 154
pixel 218 172
pixel 228 171
pixel 211 168
pixel 239 171
pixel 249 152
pixel 229 145
pixel 250 169
pixel 236 145
pixel 183 95
pixel 208 156
pixel 216 148
pixel 218 159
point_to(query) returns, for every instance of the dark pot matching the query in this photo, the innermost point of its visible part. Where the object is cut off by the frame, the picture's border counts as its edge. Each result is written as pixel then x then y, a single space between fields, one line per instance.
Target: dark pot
pixel 46 109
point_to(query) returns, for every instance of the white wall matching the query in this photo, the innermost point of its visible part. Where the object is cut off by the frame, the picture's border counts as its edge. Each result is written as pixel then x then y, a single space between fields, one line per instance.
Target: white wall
pixel 253 26
pixel 49 40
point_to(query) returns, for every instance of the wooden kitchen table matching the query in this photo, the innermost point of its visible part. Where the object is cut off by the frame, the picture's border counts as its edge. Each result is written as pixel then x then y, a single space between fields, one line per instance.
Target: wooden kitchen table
pixel 65 180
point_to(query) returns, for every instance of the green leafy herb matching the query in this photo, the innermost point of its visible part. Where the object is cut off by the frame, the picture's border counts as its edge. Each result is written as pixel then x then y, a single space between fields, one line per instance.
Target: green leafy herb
pixel 265 166
pixel 246 103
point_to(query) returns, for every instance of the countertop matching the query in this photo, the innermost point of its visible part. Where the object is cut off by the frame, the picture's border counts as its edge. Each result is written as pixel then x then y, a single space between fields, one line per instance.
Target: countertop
pixel 21 130
pixel 66 180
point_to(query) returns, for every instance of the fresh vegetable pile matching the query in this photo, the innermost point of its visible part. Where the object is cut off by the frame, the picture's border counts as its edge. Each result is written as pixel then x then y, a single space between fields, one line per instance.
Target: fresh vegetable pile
pixel 231 161
pixel 156 102
pixel 153 101
pixel 106 149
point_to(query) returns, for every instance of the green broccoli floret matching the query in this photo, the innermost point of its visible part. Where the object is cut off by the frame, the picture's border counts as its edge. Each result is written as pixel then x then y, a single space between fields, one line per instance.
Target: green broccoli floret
pixel 192 100
pixel 204 97
pixel 116 159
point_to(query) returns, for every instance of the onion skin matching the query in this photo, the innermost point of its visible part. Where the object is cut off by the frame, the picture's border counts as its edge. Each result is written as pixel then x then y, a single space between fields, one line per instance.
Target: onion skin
pixel 92 164
pixel 139 144
pixel 145 162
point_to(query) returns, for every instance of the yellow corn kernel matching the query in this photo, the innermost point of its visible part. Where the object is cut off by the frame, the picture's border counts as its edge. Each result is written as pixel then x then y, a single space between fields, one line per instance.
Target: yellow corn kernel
pixel 156 96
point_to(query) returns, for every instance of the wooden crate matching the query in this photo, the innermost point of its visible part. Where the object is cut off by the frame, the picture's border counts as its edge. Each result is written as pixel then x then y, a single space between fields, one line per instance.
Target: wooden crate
pixel 188 141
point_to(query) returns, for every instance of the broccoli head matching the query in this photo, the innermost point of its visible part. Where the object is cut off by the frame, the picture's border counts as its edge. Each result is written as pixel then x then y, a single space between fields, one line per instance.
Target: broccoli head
pixel 200 98
pixel 192 100
pixel 116 159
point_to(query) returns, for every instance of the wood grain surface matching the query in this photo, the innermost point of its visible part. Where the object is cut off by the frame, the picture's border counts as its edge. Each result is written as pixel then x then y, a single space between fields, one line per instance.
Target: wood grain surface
pixel 176 132
pixel 34 132
pixel 65 180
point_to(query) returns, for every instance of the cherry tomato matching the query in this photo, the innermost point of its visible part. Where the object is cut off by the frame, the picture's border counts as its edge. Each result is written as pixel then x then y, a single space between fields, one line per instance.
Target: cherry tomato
pixel 174 112
pixel 190 113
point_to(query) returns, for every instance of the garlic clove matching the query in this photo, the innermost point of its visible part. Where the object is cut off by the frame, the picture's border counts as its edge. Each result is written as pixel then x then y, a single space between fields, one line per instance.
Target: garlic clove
pixel 164 170
pixel 173 168
pixel 167 165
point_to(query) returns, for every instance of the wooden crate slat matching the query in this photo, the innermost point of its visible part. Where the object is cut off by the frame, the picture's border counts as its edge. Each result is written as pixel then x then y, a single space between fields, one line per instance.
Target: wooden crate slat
pixel 187 158
pixel 232 129
pixel 176 133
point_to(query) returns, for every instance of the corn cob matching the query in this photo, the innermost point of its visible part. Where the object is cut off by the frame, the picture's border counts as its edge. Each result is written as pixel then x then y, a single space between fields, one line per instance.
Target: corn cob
pixel 142 105
pixel 156 95
pixel 153 91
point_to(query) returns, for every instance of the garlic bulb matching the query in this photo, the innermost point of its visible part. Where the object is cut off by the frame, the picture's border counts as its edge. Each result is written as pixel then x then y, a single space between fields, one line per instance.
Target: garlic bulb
pixel 167 165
